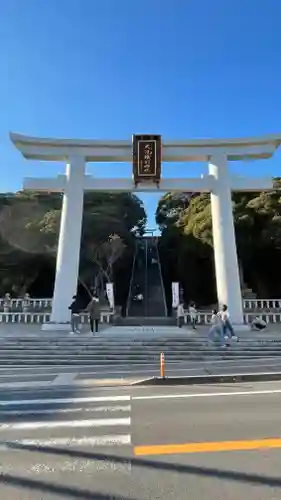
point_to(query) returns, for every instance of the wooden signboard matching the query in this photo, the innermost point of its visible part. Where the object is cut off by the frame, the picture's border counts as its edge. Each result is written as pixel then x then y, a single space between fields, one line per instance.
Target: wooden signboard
pixel 147 158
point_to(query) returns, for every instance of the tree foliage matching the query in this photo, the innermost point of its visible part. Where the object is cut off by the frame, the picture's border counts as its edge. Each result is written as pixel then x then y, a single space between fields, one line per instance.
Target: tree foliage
pixel 170 207
pixel 29 230
pixel 105 255
pixel 257 218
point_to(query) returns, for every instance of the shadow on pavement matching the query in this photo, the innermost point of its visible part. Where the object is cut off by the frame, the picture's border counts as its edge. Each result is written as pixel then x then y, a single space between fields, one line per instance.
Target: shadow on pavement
pixel 157 465
pixel 34 484
pixel 52 395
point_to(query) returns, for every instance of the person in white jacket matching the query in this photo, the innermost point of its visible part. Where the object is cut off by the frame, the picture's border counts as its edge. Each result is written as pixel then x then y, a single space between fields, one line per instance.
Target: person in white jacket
pixel 227 326
pixel 180 314
pixel 192 314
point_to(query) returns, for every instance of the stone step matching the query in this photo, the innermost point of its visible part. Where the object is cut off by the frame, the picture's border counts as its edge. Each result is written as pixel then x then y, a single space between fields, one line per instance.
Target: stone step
pixel 124 363
pixel 139 352
pixel 139 347
pixel 144 359
pixel 130 358
pixel 136 351
pixel 50 363
pixel 125 340
pixel 139 343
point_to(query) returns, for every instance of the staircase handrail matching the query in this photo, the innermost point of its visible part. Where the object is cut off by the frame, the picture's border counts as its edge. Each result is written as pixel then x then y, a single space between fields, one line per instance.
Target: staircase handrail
pixel 161 279
pixel 131 280
pixel 146 279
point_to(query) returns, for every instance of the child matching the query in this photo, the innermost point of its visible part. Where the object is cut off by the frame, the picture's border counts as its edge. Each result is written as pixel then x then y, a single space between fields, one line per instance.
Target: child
pixel 227 326
pixel 216 328
pixel 75 315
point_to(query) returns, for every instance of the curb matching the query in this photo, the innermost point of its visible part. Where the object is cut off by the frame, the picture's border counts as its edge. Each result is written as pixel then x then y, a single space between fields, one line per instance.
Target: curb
pixel 210 379
pixel 75 384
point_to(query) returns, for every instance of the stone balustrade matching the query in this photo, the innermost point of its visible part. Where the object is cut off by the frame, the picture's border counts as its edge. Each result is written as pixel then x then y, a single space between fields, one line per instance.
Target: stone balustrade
pixel 44 317
pixel 261 304
pixel 204 318
pixel 34 304
pixel 16 304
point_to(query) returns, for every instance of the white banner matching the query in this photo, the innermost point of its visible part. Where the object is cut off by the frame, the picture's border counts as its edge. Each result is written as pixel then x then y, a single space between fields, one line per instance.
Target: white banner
pixel 175 294
pixel 110 294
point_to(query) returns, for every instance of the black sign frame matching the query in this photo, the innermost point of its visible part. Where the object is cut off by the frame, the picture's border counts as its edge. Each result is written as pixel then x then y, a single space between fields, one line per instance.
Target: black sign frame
pixel 145 146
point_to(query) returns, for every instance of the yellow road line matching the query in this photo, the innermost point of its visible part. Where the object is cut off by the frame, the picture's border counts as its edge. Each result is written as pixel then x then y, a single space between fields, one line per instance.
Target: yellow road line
pixel 168 449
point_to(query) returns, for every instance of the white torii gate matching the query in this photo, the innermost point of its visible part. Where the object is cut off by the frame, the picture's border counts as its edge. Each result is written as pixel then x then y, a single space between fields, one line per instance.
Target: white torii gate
pixel 219 182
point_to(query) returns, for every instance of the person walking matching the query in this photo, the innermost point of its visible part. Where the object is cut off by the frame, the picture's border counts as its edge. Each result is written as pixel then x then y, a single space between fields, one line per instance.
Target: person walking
pixel 94 309
pixel 180 314
pixel 75 315
pixel 226 324
pixel 216 328
pixel 192 314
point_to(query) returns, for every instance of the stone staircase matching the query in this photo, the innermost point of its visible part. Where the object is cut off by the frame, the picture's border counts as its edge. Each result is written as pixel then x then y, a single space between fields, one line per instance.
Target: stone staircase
pixel 156 300
pixel 126 347
pixel 146 280
pixel 145 321
pixel 247 293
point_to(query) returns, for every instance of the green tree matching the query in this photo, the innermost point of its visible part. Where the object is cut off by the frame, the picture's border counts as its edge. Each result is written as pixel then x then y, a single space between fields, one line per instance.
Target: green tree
pixel 29 228
pixel 257 218
pixel 170 207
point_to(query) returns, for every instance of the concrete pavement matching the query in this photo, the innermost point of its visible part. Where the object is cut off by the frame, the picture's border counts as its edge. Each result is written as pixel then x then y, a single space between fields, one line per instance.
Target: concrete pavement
pixel 53 442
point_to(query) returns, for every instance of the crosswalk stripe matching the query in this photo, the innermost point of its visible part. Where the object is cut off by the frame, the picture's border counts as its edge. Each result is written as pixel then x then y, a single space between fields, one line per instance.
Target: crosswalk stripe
pixel 105 440
pixel 104 422
pixel 92 409
pixel 48 401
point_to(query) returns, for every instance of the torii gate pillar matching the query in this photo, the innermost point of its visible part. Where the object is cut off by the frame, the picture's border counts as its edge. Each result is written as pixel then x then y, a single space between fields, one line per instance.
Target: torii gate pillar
pixel 68 255
pixel 225 253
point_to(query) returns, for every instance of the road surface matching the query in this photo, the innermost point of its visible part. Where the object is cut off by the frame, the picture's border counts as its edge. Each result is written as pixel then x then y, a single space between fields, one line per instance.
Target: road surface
pixel 194 443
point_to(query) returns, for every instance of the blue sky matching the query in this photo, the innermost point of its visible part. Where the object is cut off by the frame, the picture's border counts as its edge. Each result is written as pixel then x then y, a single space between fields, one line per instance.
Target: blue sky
pixel 110 68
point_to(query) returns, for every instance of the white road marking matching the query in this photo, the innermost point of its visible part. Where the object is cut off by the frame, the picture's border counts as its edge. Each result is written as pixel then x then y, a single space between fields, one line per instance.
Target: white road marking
pixel 96 409
pixel 90 399
pixel 75 383
pixel 64 378
pixel 106 440
pixel 22 385
pixel 209 394
pixel 103 422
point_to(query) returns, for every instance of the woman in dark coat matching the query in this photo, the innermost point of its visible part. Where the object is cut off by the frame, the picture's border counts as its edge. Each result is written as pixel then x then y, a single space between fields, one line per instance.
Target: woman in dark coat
pixel 94 310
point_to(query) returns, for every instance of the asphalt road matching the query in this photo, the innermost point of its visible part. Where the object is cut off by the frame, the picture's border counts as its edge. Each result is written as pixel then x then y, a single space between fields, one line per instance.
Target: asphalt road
pixel 143 442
